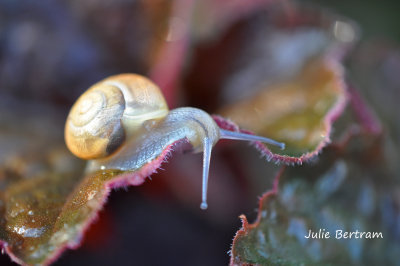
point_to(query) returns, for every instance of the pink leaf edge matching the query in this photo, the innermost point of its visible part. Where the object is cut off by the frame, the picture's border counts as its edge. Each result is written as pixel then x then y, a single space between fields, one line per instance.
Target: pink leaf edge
pixel 234 261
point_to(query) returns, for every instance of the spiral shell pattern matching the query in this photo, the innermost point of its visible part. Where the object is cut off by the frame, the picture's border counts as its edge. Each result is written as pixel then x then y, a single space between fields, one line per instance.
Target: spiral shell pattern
pixel 109 112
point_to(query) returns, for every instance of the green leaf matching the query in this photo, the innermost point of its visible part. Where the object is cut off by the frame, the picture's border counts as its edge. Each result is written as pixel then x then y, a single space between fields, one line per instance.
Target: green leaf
pixel 342 193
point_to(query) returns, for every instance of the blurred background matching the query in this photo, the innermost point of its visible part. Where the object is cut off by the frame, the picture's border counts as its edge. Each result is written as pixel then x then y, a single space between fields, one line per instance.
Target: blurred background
pixel 201 54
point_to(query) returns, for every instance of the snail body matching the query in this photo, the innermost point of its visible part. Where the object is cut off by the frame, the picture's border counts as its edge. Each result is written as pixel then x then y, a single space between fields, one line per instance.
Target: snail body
pixel 123 122
pixel 180 123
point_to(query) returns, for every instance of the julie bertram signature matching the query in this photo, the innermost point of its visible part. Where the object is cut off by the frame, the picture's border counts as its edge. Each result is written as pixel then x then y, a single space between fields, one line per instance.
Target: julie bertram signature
pixel 340 234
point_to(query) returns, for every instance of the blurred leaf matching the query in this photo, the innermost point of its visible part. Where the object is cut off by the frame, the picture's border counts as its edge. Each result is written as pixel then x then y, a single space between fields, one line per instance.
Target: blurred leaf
pixel 275 71
pixel 220 15
pixel 299 112
pixel 71 45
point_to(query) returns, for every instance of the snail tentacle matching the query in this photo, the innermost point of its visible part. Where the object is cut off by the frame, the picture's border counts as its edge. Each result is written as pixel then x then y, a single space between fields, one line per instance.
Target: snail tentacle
pixel 207 146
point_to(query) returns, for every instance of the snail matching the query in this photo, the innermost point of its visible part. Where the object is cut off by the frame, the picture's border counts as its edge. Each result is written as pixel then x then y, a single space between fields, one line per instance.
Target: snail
pixel 123 122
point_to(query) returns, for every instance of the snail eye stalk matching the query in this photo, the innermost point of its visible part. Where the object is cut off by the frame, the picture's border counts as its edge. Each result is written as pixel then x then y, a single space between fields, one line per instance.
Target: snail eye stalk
pixel 242 136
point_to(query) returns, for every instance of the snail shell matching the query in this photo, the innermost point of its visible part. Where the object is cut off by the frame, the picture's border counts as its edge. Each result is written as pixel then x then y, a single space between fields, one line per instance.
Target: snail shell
pixel 111 111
